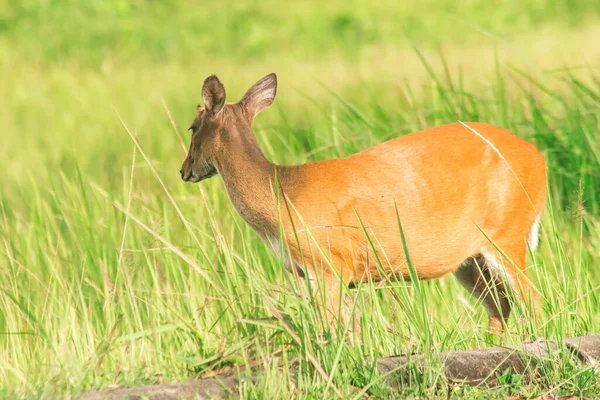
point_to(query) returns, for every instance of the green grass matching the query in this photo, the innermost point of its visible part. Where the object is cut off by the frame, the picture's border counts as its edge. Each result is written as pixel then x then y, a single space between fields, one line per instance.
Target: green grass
pixel 113 271
pixel 94 31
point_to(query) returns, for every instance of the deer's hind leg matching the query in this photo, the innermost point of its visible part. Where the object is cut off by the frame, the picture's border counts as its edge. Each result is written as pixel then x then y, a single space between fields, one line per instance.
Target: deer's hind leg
pixel 479 276
pixel 493 277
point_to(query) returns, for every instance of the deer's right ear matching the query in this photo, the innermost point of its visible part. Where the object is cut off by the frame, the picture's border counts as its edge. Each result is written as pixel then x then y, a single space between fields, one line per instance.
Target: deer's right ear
pixel 261 95
pixel 213 95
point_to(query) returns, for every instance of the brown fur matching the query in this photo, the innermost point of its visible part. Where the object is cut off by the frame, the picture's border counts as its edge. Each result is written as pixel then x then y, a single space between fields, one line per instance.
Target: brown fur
pixel 447 184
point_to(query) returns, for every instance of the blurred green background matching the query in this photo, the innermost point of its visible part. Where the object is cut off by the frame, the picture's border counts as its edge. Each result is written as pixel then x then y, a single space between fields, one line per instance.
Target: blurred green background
pixel 96 300
pixel 66 64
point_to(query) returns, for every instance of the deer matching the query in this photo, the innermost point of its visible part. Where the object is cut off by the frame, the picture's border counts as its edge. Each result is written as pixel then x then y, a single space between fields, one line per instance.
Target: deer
pixel 460 198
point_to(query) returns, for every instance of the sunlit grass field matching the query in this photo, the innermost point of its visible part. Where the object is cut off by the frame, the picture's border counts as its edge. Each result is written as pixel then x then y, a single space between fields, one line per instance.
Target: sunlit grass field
pixel 115 272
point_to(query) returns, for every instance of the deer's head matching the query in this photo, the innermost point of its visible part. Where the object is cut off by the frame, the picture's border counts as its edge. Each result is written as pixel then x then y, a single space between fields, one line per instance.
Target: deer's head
pixel 218 123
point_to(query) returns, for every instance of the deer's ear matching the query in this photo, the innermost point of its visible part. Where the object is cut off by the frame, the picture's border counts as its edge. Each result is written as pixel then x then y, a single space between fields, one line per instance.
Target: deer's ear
pixel 261 95
pixel 213 95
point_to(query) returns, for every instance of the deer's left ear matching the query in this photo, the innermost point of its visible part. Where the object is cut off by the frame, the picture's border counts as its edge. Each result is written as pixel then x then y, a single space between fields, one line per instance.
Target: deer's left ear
pixel 260 96
pixel 213 95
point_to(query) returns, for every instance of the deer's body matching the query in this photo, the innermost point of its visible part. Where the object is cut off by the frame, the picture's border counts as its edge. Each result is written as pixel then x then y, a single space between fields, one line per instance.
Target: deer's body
pixel 468 199
pixel 439 181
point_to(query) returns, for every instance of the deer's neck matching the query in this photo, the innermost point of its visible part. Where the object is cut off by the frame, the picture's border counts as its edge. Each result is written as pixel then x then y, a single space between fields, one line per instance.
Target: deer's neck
pixel 250 182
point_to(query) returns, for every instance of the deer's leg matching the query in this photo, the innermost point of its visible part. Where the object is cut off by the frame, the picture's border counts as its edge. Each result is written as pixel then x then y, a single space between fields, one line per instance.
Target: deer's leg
pixel 479 276
pixel 521 283
pixel 491 278
pixel 331 292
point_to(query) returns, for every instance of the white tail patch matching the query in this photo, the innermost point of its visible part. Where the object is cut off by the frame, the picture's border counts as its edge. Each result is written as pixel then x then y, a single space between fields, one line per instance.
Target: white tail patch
pixel 534 236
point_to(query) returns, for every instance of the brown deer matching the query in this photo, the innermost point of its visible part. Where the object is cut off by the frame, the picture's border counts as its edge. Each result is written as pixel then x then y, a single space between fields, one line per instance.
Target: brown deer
pixel 467 197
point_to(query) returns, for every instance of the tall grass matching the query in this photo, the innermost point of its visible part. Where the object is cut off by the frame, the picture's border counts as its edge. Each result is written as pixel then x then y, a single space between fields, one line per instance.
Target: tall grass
pixel 114 272
pixel 138 278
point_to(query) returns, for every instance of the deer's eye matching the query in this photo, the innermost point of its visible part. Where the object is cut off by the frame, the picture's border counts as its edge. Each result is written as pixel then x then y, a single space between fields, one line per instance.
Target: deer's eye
pixel 193 127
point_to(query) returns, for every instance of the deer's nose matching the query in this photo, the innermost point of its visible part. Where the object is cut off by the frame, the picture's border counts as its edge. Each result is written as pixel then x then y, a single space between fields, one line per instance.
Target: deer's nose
pixel 186 175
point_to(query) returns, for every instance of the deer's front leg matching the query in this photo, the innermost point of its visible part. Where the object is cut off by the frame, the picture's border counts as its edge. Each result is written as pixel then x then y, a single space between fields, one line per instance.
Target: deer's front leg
pixel 335 303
